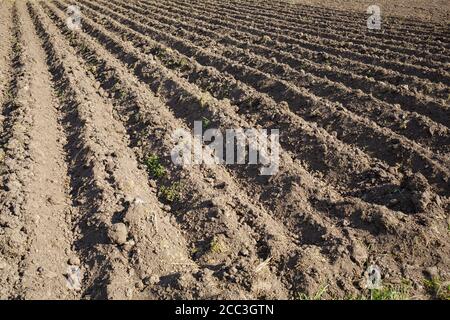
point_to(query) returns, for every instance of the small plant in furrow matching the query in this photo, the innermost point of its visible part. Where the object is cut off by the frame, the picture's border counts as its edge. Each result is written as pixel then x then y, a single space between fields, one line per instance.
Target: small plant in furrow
pixel 194 251
pixel 318 295
pixel 392 292
pixel 388 292
pixel 215 246
pixel 437 289
pixel 177 63
pixel 170 193
pixel 154 167
pixel 205 122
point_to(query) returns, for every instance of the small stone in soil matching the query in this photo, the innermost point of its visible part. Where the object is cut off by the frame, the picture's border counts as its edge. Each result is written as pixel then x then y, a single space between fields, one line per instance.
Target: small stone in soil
pixel 118 233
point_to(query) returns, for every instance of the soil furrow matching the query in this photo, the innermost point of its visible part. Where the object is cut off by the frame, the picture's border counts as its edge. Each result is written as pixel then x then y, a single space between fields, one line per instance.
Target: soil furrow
pixel 253 190
pixel 218 149
pixel 243 25
pixel 41 172
pixel 215 220
pixel 13 237
pixel 358 34
pixel 321 225
pixel 11 75
pixel 310 46
pixel 434 58
pixel 260 81
pixel 402 28
pixel 286 53
pixel 35 215
pixel 166 84
pixel 114 194
pixel 410 125
pixel 310 138
pixel 331 156
pixel 5 51
pixel 393 23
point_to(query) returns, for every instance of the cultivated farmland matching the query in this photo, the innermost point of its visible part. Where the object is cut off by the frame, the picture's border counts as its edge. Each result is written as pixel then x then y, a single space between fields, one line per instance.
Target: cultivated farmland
pixel 93 207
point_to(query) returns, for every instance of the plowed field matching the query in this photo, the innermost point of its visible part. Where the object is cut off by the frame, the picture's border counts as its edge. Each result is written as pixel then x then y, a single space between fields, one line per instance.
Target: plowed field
pixel 92 206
